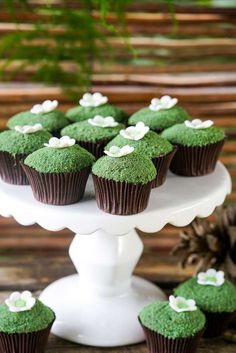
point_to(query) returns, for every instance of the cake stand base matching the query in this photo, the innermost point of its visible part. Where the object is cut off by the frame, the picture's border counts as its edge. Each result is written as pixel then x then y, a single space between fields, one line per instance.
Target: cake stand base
pixel 99 321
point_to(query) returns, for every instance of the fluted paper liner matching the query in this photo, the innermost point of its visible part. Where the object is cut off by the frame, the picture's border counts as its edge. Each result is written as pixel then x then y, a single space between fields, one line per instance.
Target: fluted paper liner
pixel 57 188
pixel 158 343
pixel 196 160
pixel 217 323
pixel 96 148
pixel 31 342
pixel 121 198
pixel 11 170
pixel 162 164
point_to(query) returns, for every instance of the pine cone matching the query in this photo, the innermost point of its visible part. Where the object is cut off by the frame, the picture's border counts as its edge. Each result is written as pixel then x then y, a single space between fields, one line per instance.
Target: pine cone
pixel 207 244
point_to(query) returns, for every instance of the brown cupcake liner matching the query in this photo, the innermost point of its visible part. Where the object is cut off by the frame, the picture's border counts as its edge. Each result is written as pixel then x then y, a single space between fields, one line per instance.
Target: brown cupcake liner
pixel 121 198
pixel 158 343
pixel 96 148
pixel 57 188
pixel 217 323
pixel 162 164
pixel 32 342
pixel 196 160
pixel 11 170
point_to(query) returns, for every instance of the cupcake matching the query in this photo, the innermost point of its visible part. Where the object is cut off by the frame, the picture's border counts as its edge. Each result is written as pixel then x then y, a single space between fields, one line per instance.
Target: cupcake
pixel 215 296
pixel 93 134
pixel 25 324
pixel 123 180
pixel 199 145
pixel 58 173
pixel 173 326
pixel 161 114
pixel 45 114
pixel 92 104
pixel 17 144
pixel 150 144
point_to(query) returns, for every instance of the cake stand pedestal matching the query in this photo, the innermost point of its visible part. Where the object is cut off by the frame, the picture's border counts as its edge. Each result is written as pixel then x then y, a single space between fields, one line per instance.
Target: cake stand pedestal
pixel 99 307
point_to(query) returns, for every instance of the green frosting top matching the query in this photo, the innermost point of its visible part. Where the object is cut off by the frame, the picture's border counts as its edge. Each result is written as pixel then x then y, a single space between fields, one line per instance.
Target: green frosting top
pixel 180 134
pixel 161 318
pixel 80 113
pixel 133 168
pixel 151 145
pixel 159 120
pixel 84 131
pixel 54 120
pixel 36 319
pixel 15 142
pixel 209 298
pixel 60 160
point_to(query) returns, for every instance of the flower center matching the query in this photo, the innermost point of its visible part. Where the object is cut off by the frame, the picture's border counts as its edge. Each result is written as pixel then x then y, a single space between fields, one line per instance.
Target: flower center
pixel 182 305
pixel 211 279
pixel 20 303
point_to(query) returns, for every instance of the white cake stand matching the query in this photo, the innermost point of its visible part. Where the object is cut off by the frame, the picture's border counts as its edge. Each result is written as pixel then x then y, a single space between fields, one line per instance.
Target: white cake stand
pixel 99 306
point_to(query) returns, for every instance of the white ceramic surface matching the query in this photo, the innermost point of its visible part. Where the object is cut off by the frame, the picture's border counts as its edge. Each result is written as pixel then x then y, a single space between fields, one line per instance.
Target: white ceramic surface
pixel 100 306
pixel 178 202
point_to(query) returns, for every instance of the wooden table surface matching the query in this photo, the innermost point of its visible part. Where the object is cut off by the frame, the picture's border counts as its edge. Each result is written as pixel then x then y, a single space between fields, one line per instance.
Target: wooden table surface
pixel 28 263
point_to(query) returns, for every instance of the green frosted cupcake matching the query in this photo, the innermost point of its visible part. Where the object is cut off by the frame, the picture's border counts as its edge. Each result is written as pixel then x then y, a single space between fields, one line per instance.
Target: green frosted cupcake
pixel 172 326
pixel 161 114
pixel 92 104
pixel 122 181
pixel 150 144
pixel 93 134
pixel 215 296
pixel 15 146
pixel 58 173
pixel 45 114
pixel 25 324
pixel 199 145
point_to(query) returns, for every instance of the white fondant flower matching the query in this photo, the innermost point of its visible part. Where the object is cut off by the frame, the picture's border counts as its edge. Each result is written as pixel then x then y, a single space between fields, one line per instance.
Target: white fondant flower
pixel 165 102
pixel 93 100
pixel 211 277
pixel 45 107
pixel 63 142
pixel 198 124
pixel 136 132
pixel 20 301
pixel 28 129
pixel 180 304
pixel 102 121
pixel 115 151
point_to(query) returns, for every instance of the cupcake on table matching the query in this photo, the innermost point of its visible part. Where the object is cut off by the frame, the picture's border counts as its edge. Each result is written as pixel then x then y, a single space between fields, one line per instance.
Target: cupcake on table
pixel 150 144
pixel 15 146
pixel 92 104
pixel 123 180
pixel 93 134
pixel 215 296
pixel 173 326
pixel 45 113
pixel 160 114
pixel 198 143
pixel 58 173
pixel 25 324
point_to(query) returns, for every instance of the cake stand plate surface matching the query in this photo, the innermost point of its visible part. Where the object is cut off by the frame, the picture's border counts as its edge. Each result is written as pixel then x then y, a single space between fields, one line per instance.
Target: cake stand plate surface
pixel 177 202
pixel 100 306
